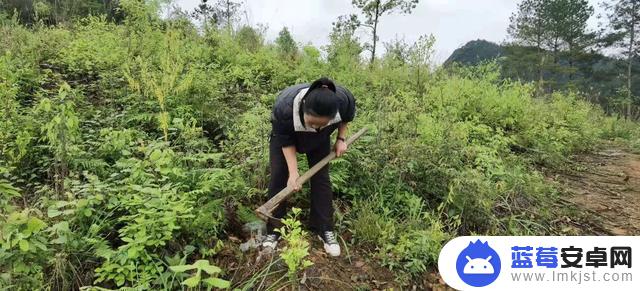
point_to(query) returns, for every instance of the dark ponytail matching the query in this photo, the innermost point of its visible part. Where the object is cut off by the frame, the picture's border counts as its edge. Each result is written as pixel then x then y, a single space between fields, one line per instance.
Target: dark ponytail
pixel 321 99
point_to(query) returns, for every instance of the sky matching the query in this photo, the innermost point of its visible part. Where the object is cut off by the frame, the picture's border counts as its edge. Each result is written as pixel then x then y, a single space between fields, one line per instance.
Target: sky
pixel 452 22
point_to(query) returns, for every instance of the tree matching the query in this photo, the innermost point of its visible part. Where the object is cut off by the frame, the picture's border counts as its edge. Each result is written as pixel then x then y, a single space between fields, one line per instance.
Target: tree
pixel 249 38
pixel 624 22
pixel 420 54
pixel 374 9
pixel 228 10
pixel 527 28
pixel 223 11
pixel 552 25
pixel 344 46
pixel 397 51
pixel 285 43
pixel 206 13
pixel 567 25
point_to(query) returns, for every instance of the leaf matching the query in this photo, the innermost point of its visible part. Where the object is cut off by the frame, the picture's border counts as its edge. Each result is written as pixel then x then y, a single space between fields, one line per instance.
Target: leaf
pixel 119 280
pixel 182 268
pixel 60 240
pixel 189 249
pixel 306 263
pixel 8 189
pixel 155 155
pixel 52 212
pixel 217 283
pixel 205 266
pixel 132 253
pixel 192 282
pixel 24 245
pixel 35 224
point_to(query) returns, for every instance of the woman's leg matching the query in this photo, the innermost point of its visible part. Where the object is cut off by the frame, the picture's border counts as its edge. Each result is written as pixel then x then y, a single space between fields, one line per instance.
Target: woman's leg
pixel 278 181
pixel 321 214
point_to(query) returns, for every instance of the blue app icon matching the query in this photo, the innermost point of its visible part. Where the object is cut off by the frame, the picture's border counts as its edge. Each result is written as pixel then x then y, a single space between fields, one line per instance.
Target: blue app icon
pixel 478 264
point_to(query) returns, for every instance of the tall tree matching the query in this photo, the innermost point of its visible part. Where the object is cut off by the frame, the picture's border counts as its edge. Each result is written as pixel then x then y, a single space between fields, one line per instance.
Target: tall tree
pixel 286 44
pixel 374 9
pixel 344 45
pixel 567 24
pixel 222 12
pixel 527 28
pixel 420 55
pixel 552 25
pixel 624 23
pixel 206 13
pixel 228 10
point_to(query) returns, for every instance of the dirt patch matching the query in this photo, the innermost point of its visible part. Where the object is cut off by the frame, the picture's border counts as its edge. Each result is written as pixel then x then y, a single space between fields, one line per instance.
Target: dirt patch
pixel 357 270
pixel 603 193
pixel 347 272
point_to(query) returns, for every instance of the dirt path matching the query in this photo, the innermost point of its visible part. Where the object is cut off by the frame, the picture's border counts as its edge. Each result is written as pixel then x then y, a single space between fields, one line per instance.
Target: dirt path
pixel 603 192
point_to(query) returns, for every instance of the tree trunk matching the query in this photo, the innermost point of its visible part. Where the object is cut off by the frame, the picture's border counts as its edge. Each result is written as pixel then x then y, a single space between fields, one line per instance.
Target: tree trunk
pixel 541 65
pixel 228 17
pixel 630 60
pixel 375 33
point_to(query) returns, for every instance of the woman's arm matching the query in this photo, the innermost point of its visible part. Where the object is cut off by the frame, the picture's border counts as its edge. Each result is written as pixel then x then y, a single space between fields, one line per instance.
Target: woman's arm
pixel 292 164
pixel 342 130
pixel 341 146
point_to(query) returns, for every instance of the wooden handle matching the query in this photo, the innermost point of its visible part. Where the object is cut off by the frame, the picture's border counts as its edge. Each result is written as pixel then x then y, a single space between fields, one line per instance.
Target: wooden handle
pixel 264 211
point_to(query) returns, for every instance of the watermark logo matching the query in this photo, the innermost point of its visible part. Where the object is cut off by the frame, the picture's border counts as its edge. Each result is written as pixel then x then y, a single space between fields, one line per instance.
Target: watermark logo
pixel 541 262
pixel 478 264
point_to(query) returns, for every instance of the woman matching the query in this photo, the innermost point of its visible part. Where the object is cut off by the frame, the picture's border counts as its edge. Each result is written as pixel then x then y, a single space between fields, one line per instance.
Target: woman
pixel 303 118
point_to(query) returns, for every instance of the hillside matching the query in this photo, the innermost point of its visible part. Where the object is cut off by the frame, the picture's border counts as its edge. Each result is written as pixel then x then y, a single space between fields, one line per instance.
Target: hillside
pixel 133 154
pixel 594 74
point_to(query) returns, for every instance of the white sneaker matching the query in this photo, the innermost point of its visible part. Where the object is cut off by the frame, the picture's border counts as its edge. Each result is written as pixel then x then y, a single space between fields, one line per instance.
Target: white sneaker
pixel 271 241
pixel 331 245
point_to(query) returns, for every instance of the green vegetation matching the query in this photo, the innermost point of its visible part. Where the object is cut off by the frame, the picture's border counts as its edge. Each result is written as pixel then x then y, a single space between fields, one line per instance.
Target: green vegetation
pixel 551 44
pixel 122 144
pixel 297 249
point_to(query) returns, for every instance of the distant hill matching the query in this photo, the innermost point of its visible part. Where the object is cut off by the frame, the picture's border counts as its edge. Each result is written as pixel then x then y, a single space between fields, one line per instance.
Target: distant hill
pixel 475 52
pixel 601 77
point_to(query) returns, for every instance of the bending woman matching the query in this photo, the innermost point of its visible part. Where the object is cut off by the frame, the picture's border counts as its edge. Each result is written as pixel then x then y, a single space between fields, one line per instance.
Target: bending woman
pixel 303 118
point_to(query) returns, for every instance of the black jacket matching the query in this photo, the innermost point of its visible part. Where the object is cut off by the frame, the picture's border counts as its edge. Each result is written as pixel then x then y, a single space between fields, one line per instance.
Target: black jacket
pixel 282 124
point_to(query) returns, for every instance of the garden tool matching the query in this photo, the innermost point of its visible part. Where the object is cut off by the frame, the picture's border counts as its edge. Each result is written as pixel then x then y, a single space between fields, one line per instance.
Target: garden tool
pixel 265 211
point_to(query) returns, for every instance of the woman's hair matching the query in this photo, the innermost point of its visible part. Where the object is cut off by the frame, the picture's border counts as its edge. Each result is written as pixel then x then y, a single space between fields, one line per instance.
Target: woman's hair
pixel 321 99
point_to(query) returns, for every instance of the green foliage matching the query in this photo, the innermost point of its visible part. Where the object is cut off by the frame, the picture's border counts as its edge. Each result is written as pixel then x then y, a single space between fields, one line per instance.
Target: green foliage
pixel 123 146
pixel 297 249
pixel 249 38
pixel 286 44
pixel 56 11
pixel 24 248
pixel 373 10
pixel 196 279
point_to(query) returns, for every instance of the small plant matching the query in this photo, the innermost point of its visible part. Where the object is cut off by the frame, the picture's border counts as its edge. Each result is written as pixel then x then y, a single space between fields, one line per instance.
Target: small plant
pixel 23 249
pixel 196 279
pixel 297 248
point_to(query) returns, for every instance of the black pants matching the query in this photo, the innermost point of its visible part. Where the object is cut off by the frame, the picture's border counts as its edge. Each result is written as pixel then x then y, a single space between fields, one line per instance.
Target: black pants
pixel 316 146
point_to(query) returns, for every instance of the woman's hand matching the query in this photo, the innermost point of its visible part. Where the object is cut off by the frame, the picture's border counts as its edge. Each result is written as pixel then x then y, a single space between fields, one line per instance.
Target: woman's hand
pixel 291 183
pixel 340 147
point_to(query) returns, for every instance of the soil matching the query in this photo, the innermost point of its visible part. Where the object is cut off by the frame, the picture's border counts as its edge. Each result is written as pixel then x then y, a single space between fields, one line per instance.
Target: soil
pixel 602 192
pixel 353 270
pixel 600 195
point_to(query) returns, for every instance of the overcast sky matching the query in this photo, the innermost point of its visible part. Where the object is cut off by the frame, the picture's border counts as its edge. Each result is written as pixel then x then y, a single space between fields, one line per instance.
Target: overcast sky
pixel 452 22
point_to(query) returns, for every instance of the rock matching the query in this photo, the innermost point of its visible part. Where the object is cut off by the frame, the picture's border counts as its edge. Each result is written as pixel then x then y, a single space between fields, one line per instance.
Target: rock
pixel 304 278
pixel 359 264
pixel 250 244
pixel 255 228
